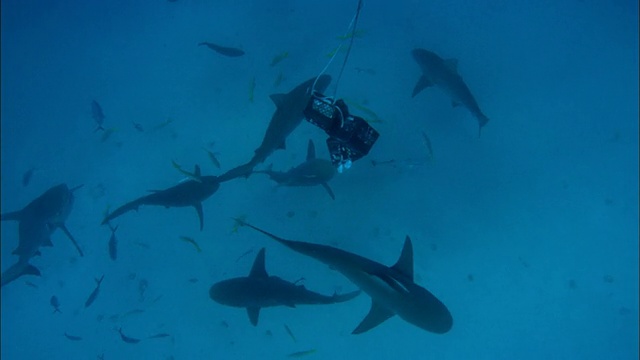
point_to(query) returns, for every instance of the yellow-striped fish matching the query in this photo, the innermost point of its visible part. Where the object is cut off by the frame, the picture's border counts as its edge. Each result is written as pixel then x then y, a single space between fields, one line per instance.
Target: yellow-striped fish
pixel 278 58
pixel 213 157
pixel 192 242
pixel 299 354
pixel 190 175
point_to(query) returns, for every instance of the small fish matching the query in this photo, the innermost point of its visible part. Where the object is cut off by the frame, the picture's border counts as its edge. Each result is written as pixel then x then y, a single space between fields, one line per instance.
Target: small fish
pixel 97 114
pixel 427 142
pixel 238 222
pixel 223 50
pixel 279 79
pixel 278 58
pixel 192 242
pixel 358 33
pixel 252 88
pixel 142 245
pixel 137 126
pixel 188 174
pixel 244 254
pixel 142 288
pixel 101 357
pixel 107 134
pixel 162 124
pixel 371 116
pixel 55 303
pixel 128 340
pixel 299 354
pixel 290 333
pixel 26 177
pixel 72 337
pixel 94 293
pixel 159 336
pixel 213 158
pixel 113 243
pixel 131 312
pixel 367 71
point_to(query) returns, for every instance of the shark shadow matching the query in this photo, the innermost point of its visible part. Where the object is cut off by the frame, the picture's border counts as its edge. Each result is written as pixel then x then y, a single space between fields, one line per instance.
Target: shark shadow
pixel 392 289
pixel 36 223
pixel 259 290
pixel 312 172
pixel 191 192
pixel 286 118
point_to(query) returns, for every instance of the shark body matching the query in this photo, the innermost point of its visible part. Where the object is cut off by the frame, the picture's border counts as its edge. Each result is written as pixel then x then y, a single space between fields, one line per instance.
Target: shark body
pixel 286 118
pixel 444 74
pixel 392 289
pixel 191 192
pixel 312 172
pixel 37 222
pixel 259 290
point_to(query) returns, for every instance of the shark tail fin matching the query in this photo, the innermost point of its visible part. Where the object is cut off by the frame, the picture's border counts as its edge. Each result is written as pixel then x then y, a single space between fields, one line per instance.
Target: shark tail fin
pixel 482 121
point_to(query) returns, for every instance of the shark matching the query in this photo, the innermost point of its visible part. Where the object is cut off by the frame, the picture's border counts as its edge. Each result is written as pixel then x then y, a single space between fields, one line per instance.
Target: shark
pixel 286 118
pixel 444 74
pixel 311 172
pixel 36 223
pixel 391 288
pixel 191 192
pixel 260 290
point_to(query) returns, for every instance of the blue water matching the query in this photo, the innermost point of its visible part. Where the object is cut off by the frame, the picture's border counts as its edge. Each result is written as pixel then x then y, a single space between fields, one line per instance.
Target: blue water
pixel 529 234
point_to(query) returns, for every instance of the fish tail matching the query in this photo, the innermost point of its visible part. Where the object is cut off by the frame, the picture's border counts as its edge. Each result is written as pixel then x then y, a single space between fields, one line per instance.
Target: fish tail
pixel 100 127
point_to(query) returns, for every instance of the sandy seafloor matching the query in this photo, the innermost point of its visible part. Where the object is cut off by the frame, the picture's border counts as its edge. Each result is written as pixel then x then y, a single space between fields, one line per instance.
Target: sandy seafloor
pixel 529 234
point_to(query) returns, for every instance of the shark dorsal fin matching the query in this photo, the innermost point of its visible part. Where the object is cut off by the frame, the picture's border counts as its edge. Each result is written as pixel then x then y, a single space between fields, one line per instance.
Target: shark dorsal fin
pixel 452 64
pixel 254 314
pixel 404 264
pixel 278 99
pixel 311 150
pixel 376 316
pixel 197 171
pixel 258 270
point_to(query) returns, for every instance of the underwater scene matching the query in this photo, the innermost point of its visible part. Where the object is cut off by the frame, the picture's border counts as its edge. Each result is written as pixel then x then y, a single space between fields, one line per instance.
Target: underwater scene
pixel 345 179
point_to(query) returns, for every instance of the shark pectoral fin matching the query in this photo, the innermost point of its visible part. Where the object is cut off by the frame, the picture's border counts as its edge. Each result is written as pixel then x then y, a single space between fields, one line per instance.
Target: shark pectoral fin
pixel 404 264
pixel 31 270
pixel 198 207
pixel 258 270
pixel 47 242
pixel 75 243
pixel 422 84
pixel 376 316
pixel 311 150
pixel 326 187
pixel 452 64
pixel 254 313
pixel 278 99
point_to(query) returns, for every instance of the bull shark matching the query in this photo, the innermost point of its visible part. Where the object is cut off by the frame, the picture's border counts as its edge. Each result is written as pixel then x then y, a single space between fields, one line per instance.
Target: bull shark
pixel 191 192
pixel 312 172
pixel 392 289
pixel 444 74
pixel 37 221
pixel 285 119
pixel 259 290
